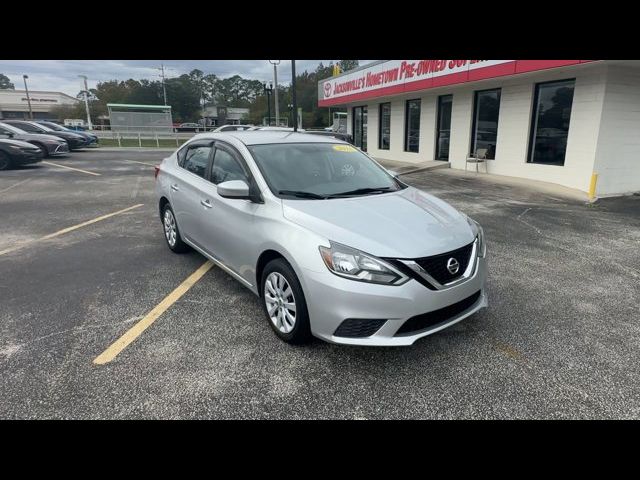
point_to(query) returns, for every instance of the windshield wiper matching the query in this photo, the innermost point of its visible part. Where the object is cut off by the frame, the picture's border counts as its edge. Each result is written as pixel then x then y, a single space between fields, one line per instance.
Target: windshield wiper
pixel 301 194
pixel 362 191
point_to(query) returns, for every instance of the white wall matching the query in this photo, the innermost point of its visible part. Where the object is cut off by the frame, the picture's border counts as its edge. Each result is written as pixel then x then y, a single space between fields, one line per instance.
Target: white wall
pixel 515 123
pixel 618 152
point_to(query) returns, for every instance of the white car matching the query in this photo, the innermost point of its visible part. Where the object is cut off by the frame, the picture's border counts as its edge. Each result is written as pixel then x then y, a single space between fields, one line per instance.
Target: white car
pixel 334 245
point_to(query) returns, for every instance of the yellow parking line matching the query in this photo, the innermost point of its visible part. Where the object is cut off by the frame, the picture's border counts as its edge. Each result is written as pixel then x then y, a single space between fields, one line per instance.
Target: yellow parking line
pixel 135 331
pixel 15 185
pixel 70 229
pixel 71 168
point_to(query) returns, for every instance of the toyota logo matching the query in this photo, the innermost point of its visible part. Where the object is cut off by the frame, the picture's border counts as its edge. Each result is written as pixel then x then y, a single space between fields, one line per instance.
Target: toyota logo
pixel 327 89
pixel 453 266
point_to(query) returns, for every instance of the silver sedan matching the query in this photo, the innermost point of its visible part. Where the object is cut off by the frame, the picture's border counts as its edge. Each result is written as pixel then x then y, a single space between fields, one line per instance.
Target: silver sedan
pixel 334 245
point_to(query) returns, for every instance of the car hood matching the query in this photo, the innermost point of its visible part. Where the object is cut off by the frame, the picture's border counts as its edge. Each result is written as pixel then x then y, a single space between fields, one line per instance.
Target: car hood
pixel 18 143
pixel 405 224
pixel 67 135
pixel 39 136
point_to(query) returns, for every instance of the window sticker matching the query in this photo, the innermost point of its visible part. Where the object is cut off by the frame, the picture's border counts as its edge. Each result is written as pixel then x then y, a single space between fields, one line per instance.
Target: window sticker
pixel 344 148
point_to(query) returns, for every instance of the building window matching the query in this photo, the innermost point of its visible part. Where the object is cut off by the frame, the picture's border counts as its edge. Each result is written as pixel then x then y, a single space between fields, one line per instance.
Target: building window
pixel 550 124
pixel 384 134
pixel 412 126
pixel 445 103
pixel 486 108
pixel 360 127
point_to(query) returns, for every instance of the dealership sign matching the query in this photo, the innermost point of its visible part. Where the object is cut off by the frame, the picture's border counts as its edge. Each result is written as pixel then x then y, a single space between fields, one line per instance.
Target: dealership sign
pixel 402 76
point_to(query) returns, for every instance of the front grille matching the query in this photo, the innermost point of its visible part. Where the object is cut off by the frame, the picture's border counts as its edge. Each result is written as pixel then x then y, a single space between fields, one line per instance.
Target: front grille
pixel 436 266
pixel 432 319
pixel 358 327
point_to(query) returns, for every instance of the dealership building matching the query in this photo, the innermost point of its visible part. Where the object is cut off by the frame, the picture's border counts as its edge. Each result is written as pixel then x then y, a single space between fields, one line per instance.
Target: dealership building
pixel 571 122
pixel 15 104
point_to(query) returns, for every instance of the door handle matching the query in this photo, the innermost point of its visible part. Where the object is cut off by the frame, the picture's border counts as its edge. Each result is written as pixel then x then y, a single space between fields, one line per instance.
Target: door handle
pixel 175 188
pixel 206 203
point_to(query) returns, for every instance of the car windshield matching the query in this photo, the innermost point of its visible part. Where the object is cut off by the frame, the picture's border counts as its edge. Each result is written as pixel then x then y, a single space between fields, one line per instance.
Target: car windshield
pixel 53 126
pixel 41 127
pixel 12 129
pixel 320 170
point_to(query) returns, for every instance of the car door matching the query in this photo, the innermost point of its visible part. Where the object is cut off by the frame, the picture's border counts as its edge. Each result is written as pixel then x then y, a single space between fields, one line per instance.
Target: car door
pixel 186 187
pixel 230 228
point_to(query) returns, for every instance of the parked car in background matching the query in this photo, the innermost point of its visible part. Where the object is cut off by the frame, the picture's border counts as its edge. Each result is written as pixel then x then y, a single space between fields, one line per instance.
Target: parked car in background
pixel 189 127
pixel 17 152
pixel 90 138
pixel 74 140
pixel 345 137
pixel 232 128
pixel 333 244
pixel 49 144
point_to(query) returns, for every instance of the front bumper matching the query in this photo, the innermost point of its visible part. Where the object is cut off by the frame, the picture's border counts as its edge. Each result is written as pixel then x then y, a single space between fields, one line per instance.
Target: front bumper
pixel 76 144
pixel 332 299
pixel 26 157
pixel 59 149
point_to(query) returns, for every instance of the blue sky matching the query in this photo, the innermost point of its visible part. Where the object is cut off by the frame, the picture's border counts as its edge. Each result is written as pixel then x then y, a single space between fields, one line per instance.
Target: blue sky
pixel 62 75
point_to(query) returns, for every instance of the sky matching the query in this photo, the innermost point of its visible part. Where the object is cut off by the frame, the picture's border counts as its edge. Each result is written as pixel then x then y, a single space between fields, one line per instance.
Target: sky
pixel 62 75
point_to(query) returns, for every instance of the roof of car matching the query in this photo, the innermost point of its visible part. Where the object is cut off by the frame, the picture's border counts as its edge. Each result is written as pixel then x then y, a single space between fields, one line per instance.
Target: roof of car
pixel 262 137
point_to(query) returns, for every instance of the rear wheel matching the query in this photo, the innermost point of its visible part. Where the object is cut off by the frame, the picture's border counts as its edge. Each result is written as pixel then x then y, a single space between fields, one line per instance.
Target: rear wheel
pixel 284 303
pixel 171 231
pixel 5 161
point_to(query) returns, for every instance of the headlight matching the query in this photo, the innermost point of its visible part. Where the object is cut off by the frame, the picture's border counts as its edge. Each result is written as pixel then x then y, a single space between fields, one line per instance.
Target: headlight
pixel 482 248
pixel 351 263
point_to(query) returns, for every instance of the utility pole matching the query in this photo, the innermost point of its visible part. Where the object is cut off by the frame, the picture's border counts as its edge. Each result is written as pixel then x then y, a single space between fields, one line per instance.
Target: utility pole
pixel 24 77
pixel 275 64
pixel 293 95
pixel 164 90
pixel 86 101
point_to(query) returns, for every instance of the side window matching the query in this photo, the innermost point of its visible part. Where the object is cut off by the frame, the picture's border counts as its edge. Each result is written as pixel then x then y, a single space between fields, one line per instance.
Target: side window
pixel 27 127
pixel 182 154
pixel 226 168
pixel 197 159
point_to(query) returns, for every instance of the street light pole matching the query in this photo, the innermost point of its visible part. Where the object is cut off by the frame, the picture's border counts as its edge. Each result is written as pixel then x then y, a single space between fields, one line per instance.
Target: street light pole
pixel 24 77
pixel 293 95
pixel 268 92
pixel 275 64
pixel 86 101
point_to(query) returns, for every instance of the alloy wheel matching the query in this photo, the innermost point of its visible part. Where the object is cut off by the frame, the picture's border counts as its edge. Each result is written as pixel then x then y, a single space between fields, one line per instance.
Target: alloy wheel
pixel 280 301
pixel 170 229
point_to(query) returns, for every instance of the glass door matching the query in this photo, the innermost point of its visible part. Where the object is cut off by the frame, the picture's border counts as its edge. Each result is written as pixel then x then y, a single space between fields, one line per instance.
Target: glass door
pixel 360 127
pixel 445 103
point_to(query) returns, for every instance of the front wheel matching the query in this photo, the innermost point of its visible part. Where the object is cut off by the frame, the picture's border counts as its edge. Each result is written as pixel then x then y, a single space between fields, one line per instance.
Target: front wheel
pixel 171 232
pixel 284 303
pixel 5 161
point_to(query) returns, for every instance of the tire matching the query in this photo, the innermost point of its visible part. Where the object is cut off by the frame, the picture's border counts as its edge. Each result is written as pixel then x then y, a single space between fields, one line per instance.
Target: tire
pixel 5 161
pixel 171 231
pixel 300 331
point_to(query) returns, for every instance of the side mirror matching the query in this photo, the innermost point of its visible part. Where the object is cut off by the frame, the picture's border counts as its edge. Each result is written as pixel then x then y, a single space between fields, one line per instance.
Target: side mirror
pixel 234 189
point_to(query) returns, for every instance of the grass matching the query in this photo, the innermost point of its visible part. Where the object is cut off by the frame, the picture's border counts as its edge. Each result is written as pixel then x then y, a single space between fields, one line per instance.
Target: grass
pixel 145 142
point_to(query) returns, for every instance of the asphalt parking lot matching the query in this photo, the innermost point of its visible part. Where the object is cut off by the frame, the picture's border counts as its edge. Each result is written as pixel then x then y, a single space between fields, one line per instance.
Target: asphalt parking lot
pixel 560 338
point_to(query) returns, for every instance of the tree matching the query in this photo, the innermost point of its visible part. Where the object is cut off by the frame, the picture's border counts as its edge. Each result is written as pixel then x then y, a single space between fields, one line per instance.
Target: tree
pixel 348 65
pixel 5 83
